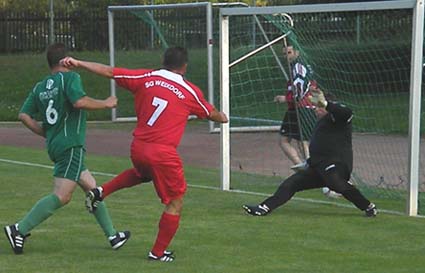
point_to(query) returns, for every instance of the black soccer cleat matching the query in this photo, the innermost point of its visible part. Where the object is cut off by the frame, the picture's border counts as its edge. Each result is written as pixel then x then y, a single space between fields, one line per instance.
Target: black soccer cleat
pixel 371 210
pixel 167 257
pixel 258 210
pixel 93 198
pixel 16 240
pixel 119 239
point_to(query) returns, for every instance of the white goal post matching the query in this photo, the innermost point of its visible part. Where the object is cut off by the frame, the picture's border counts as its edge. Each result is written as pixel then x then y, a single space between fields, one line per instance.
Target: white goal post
pixel 417 12
pixel 208 42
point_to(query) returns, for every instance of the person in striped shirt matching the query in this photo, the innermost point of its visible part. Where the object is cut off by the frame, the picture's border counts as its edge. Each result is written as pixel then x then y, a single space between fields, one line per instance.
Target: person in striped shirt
pixel 60 102
pixel 163 101
pixel 299 118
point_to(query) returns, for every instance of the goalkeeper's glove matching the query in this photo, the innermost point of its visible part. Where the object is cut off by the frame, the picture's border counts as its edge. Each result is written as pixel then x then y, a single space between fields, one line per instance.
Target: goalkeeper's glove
pixel 318 98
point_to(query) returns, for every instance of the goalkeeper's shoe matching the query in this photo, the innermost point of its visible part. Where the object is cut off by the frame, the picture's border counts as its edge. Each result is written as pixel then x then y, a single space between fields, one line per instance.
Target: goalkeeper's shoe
pixel 93 198
pixel 16 239
pixel 166 257
pixel 258 210
pixel 119 239
pixel 371 210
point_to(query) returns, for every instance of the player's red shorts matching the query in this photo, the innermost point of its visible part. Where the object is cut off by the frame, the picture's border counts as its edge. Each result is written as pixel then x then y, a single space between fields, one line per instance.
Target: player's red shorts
pixel 163 165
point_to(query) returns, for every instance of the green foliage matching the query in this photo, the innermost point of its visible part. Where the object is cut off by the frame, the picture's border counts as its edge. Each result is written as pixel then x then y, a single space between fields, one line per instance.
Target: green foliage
pixel 28 5
pixel 72 5
pixel 40 5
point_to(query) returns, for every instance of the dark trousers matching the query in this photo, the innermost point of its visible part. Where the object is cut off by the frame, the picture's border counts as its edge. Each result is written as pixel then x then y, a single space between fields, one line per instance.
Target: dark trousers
pixel 334 176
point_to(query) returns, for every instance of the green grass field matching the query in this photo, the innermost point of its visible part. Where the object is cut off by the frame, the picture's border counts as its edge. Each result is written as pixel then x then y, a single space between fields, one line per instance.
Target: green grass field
pixel 214 236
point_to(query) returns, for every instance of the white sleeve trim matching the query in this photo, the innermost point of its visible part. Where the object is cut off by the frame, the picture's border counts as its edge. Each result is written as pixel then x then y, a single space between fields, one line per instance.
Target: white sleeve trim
pixel 179 79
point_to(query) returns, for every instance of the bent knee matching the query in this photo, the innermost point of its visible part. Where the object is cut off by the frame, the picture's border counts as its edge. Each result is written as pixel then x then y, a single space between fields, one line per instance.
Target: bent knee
pixel 64 198
pixel 175 206
pixel 285 140
pixel 341 187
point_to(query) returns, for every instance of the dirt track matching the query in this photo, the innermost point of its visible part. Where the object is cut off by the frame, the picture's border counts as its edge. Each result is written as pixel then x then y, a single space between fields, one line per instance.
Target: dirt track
pixel 378 159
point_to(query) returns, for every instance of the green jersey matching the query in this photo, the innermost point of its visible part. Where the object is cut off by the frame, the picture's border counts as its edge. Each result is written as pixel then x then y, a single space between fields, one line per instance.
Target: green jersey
pixel 53 100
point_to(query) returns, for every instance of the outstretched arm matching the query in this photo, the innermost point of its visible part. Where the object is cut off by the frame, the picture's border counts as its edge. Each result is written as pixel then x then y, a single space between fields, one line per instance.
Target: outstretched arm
pixel 89 103
pixel 31 124
pixel 280 99
pixel 97 68
pixel 339 112
pixel 218 116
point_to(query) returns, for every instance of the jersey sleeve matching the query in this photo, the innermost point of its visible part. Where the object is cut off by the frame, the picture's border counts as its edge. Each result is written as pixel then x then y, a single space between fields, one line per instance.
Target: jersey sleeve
pixel 130 78
pixel 74 88
pixel 200 107
pixel 30 107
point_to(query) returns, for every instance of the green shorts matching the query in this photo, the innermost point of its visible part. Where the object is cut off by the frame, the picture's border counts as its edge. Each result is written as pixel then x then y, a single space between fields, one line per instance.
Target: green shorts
pixel 70 164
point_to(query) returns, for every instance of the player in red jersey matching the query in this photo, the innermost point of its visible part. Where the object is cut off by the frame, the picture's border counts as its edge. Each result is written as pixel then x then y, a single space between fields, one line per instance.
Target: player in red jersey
pixel 163 100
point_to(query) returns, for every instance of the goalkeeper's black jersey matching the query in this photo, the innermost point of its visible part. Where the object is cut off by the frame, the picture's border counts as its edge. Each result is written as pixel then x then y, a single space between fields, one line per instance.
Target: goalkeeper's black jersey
pixel 331 139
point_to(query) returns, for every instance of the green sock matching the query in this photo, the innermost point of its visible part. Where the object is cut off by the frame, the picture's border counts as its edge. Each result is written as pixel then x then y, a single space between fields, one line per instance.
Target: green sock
pixel 104 220
pixel 42 210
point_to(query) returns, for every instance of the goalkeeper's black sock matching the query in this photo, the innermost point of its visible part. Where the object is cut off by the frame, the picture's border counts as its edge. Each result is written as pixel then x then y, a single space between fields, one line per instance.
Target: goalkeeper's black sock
pixel 280 197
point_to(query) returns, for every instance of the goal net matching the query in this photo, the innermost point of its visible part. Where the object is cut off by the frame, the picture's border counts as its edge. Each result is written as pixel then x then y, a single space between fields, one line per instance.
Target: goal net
pixel 138 36
pixel 362 54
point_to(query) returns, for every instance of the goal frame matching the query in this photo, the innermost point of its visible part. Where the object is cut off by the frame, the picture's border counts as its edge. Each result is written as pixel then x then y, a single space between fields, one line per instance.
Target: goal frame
pixel 209 43
pixel 417 8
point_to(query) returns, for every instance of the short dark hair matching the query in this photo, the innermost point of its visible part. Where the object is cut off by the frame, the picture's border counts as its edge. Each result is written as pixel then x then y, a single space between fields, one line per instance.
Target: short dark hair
pixel 175 58
pixel 55 53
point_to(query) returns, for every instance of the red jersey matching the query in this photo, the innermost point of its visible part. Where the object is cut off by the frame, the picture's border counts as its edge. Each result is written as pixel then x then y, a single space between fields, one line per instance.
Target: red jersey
pixel 163 100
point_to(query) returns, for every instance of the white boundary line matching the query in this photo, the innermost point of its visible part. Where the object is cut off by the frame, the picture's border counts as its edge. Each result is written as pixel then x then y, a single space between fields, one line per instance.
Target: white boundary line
pixel 307 200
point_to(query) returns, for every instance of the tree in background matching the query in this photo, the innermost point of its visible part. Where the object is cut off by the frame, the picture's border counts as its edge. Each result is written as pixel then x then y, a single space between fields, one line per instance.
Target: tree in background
pixel 43 5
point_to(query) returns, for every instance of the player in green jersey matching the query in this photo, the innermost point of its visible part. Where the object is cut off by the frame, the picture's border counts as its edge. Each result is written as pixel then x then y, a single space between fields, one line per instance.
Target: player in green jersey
pixel 60 101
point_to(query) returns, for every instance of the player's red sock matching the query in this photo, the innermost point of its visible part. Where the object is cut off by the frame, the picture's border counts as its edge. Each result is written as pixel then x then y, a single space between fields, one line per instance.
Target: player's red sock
pixel 168 226
pixel 126 179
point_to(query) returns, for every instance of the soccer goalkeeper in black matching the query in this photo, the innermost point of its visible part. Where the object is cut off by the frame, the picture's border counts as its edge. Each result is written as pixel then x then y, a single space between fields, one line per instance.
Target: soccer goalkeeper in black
pixel 330 162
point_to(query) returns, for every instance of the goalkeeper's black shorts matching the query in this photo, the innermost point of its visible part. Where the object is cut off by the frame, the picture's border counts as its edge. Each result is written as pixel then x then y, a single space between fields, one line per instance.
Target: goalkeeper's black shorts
pixel 290 128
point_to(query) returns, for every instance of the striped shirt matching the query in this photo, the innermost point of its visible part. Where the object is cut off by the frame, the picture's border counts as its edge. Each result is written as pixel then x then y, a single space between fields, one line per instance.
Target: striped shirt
pixel 298 90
